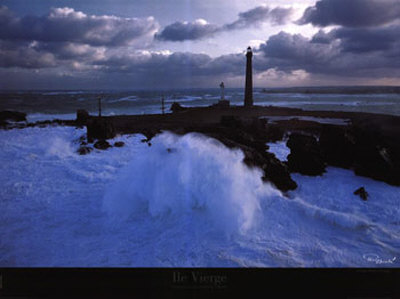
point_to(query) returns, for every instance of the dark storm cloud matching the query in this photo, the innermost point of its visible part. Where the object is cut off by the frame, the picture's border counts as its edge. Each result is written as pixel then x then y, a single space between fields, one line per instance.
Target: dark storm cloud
pixel 38 55
pixel 326 54
pixel 173 65
pixel 170 70
pixel 322 37
pixel 89 54
pixel 180 31
pixel 348 52
pixel 259 15
pixel 359 40
pixel 67 25
pixel 66 37
pixel 145 62
pixel 22 55
pixel 352 13
pixel 292 52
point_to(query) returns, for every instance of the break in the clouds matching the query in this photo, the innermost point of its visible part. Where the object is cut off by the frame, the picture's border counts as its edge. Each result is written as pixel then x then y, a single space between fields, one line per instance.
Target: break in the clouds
pixel 352 13
pixel 67 25
pixel 199 29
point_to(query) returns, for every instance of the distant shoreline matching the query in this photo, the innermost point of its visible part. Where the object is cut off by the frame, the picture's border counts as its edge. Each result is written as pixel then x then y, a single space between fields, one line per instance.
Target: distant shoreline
pixel 294 89
pixel 336 90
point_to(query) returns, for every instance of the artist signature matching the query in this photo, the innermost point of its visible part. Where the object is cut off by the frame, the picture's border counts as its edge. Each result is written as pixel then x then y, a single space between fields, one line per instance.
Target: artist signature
pixel 374 258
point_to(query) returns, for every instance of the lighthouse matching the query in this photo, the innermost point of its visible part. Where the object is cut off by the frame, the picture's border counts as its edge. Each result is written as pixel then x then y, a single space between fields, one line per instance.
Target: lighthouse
pixel 248 94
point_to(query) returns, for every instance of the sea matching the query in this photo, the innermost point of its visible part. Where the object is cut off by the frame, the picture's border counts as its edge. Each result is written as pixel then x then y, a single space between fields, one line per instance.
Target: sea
pixel 43 105
pixel 184 201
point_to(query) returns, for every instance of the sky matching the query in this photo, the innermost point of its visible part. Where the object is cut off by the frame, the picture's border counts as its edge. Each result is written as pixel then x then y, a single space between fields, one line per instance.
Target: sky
pixel 148 44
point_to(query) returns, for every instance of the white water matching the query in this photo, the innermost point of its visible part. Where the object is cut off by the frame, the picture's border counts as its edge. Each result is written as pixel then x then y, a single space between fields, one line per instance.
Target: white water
pixel 321 120
pixel 280 149
pixel 195 204
pixel 34 117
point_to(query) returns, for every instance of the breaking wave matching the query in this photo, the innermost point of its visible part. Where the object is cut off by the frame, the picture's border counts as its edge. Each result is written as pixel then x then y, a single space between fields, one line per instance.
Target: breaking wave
pixel 190 174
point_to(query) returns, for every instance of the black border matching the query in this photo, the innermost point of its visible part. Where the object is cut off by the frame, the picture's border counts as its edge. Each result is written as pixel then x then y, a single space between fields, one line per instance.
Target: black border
pixel 153 282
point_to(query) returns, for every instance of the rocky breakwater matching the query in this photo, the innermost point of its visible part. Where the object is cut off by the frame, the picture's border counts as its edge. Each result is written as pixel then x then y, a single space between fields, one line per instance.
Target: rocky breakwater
pixel 305 155
pixel 369 149
pixel 250 136
pixel 100 128
pixel 11 116
pixel 370 145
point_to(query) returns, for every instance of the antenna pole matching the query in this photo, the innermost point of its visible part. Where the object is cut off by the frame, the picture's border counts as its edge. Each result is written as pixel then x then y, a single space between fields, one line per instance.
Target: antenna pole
pixel 99 107
pixel 162 105
pixel 222 91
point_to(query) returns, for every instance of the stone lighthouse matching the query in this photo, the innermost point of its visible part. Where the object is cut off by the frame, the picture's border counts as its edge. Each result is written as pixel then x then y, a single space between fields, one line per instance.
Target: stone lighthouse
pixel 248 94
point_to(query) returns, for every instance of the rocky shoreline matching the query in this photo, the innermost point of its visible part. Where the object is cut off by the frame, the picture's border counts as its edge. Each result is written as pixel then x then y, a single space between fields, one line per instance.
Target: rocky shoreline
pixel 368 144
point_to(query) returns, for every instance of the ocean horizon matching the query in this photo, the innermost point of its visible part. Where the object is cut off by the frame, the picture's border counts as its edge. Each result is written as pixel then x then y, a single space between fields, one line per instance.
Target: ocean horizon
pixel 51 104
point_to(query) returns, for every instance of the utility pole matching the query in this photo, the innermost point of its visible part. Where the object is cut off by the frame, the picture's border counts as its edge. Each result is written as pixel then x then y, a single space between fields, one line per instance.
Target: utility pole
pixel 162 104
pixel 99 107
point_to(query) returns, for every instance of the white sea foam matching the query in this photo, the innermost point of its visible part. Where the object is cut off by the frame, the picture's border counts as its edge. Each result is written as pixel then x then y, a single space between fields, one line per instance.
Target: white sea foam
pixel 321 120
pixel 182 99
pixel 194 205
pixel 190 174
pixel 55 93
pixel 124 99
pixel 280 149
pixel 34 117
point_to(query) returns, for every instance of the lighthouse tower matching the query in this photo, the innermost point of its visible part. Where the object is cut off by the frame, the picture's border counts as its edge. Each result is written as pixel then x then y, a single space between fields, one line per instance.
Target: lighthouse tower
pixel 248 94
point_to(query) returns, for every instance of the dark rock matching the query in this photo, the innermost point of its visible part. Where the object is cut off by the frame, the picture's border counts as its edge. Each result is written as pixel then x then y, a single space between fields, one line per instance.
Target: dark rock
pixel 274 133
pixel 253 147
pixel 274 171
pixel 305 155
pixel 84 150
pixel 375 158
pixel 221 104
pixel 257 128
pixel 230 121
pixel 362 193
pixel 119 144
pixel 82 140
pixel 149 133
pixel 278 173
pixel 100 128
pixel 365 149
pixel 82 116
pixel 242 135
pixel 176 107
pixel 338 146
pixel 12 115
pixel 102 145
